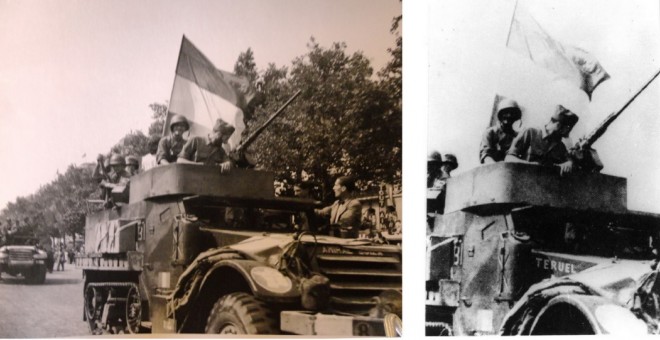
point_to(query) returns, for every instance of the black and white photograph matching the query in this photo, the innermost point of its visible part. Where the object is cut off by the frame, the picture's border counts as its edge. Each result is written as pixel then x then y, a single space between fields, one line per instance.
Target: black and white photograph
pixel 201 167
pixel 542 191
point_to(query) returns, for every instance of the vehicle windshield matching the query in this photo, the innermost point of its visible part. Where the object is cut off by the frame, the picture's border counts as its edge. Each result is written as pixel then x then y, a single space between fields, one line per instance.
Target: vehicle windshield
pixel 631 236
pixel 247 216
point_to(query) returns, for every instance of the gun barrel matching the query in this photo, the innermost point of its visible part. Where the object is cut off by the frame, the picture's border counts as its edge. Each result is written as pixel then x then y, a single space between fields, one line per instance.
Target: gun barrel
pixel 245 143
pixel 600 130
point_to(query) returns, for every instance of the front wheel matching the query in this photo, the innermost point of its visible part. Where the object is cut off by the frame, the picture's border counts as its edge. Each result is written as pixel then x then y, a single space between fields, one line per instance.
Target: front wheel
pixel 240 313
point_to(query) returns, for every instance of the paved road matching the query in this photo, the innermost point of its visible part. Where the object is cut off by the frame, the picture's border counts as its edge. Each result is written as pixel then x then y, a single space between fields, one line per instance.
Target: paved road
pixel 53 309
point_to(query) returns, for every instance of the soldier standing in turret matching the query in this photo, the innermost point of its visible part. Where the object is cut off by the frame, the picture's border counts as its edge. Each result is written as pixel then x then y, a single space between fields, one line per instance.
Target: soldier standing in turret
pixel 497 139
pixel 210 151
pixel 545 146
pixel 170 146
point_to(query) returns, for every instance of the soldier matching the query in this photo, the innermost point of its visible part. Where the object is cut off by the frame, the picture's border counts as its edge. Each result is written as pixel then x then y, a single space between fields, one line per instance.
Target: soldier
pixel 149 160
pixel 210 151
pixel 132 165
pixel 437 192
pixel 433 168
pixel 170 146
pixel 497 139
pixel 116 177
pixel 345 211
pixel 545 146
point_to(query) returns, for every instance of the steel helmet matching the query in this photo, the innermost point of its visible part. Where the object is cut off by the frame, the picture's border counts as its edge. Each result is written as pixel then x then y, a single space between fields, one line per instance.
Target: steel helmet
pixel 132 160
pixel 117 160
pixel 451 160
pixel 510 106
pixel 179 119
pixel 435 158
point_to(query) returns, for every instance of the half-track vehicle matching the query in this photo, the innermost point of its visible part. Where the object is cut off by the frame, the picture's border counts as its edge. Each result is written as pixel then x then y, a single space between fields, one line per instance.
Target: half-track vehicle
pixel 523 251
pixel 20 256
pixel 194 250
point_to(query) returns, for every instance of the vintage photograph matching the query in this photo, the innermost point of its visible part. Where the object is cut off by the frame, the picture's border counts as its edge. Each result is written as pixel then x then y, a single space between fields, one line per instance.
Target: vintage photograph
pixel 222 167
pixel 543 193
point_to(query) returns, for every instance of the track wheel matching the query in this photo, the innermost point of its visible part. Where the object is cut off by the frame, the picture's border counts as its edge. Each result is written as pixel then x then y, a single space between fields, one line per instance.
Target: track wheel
pixel 93 307
pixel 240 313
pixel 133 310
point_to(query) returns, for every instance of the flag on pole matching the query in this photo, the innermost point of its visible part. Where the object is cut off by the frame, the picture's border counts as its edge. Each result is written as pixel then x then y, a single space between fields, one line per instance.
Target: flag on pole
pixel 202 93
pixel 529 39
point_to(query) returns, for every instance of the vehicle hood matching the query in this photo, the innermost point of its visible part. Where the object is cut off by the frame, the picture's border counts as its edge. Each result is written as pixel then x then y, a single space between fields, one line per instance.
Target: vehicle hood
pixel 262 247
pixel 615 279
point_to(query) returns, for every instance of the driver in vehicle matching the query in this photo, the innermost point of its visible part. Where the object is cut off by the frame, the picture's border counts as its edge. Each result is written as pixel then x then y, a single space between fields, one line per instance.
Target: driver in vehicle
pixel 345 212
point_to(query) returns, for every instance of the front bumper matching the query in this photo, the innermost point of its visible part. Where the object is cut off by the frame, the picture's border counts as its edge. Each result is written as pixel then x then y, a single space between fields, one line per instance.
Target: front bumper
pixel 308 323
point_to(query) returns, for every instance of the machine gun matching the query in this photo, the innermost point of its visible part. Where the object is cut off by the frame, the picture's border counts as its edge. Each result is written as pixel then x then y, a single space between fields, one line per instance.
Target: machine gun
pixel 586 157
pixel 238 154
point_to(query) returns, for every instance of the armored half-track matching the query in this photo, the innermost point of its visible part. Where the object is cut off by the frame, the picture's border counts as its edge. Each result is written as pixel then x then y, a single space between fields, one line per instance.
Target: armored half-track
pixel 194 250
pixel 523 251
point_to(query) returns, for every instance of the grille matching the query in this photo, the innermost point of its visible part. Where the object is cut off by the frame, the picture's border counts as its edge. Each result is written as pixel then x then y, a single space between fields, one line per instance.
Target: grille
pixel 359 274
pixel 21 254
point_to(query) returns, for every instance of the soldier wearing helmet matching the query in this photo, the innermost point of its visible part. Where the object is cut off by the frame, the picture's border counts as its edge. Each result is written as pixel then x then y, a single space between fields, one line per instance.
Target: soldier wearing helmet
pixel 210 151
pixel 545 146
pixel 497 139
pixel 436 191
pixel 170 146
pixel 132 165
pixel 109 180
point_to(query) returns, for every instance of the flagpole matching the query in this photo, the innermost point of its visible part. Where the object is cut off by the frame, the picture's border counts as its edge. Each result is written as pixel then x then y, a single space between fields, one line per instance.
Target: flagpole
pixel 167 114
pixel 515 8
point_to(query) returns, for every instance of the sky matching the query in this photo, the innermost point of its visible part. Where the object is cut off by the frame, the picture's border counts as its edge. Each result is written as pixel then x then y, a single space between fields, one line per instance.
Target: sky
pixel 76 76
pixel 468 64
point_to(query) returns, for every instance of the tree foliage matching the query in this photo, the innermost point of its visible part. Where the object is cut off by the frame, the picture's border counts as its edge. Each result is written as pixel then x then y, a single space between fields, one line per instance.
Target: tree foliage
pixel 344 122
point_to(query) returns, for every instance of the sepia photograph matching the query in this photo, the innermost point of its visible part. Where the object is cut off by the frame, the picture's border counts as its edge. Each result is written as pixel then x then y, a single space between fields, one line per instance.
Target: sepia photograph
pixel 201 167
pixel 542 192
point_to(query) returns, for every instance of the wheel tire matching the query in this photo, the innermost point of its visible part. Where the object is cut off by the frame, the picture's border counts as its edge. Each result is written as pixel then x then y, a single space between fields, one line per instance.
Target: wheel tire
pixel 39 275
pixel 133 311
pixel 240 313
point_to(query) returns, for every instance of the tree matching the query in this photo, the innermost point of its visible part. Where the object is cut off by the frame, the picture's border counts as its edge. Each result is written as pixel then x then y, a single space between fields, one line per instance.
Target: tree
pixel 246 67
pixel 159 113
pixel 134 143
pixel 344 122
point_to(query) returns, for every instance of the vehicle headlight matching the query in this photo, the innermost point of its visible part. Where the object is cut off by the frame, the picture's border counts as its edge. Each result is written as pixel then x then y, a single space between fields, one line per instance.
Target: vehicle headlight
pixel 3 254
pixel 40 255
pixel 271 279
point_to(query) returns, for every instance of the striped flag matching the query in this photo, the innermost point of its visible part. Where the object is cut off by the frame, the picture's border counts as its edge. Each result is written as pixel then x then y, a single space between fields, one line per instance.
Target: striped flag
pixel 202 93
pixel 570 63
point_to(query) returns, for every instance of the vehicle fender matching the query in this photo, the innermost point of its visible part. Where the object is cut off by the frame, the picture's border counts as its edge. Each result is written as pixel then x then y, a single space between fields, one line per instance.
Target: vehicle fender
pixel 603 315
pixel 245 269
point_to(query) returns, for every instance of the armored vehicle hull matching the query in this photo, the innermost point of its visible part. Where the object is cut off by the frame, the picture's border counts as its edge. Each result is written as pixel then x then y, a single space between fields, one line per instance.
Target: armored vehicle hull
pixel 521 250
pixel 196 250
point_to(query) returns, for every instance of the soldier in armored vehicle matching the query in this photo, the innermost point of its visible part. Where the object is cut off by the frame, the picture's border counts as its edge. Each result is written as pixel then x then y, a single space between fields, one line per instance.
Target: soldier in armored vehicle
pixel 170 146
pixel 209 151
pixel 545 146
